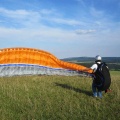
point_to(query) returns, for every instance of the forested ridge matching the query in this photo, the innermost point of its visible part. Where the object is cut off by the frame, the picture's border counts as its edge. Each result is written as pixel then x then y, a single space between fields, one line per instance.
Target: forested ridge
pixel 112 62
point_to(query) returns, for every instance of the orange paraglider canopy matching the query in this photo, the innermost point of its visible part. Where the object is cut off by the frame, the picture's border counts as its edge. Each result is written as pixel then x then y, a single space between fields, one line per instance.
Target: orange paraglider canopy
pixel 37 57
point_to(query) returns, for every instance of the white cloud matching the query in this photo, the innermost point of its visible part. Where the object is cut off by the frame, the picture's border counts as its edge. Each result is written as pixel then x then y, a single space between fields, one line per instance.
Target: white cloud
pixel 14 13
pixel 43 33
pixel 68 42
pixel 71 22
pixel 37 18
pixel 96 13
pixel 84 31
pixel 81 2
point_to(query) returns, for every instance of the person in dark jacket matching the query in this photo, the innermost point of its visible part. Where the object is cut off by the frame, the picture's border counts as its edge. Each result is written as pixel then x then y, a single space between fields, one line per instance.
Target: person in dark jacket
pixel 96 92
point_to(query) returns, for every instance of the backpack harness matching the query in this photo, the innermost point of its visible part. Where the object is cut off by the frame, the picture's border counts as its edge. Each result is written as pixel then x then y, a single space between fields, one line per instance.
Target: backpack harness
pixel 102 77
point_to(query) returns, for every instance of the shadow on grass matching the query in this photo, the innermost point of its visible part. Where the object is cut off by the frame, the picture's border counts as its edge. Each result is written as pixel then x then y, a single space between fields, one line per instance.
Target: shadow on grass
pixel 73 88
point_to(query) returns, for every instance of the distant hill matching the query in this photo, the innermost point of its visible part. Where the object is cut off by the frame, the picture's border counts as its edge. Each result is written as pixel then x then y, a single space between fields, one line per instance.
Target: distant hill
pixel 92 59
pixel 112 62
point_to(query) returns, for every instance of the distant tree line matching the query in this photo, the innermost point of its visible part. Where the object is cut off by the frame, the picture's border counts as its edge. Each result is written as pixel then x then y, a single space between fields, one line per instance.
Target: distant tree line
pixel 112 66
pixel 112 62
pixel 90 59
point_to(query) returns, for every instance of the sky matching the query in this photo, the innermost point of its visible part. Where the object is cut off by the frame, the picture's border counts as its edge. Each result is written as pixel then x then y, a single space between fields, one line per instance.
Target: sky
pixel 65 28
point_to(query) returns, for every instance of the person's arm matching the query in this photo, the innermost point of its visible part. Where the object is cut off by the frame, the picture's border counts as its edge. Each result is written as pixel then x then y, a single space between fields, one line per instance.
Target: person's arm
pixel 94 67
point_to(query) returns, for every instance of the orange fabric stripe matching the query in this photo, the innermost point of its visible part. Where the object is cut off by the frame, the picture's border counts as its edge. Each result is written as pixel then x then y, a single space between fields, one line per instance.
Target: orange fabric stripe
pixel 35 56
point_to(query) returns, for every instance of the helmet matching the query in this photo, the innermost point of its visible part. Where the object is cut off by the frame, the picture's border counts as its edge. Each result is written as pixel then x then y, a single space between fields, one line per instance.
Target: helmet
pixel 98 58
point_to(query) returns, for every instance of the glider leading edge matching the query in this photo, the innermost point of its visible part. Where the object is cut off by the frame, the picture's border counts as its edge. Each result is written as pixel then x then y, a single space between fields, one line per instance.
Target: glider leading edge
pixel 28 61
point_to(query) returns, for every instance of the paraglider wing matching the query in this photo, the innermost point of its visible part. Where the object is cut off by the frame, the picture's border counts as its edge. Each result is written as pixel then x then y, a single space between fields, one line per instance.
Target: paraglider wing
pixel 25 61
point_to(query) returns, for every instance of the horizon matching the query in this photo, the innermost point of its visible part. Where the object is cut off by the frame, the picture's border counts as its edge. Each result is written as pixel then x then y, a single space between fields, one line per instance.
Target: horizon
pixel 88 57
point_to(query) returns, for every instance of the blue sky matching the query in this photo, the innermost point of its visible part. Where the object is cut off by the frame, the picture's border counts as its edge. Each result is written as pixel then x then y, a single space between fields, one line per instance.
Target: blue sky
pixel 65 28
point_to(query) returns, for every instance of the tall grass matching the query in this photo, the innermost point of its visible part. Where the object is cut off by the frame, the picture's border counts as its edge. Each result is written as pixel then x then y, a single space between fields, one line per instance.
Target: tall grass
pixel 57 98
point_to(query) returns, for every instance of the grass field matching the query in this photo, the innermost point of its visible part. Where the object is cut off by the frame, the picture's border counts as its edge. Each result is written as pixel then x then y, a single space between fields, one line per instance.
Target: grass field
pixel 57 98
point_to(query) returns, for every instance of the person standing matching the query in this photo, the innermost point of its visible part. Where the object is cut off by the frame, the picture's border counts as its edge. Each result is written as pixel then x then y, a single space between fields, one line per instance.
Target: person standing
pixel 94 67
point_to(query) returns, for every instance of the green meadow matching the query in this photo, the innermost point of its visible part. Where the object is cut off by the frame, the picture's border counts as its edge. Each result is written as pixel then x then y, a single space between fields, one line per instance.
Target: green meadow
pixel 57 98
